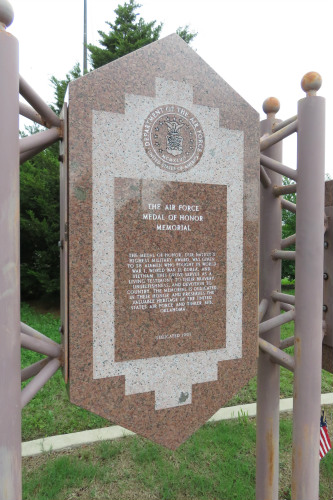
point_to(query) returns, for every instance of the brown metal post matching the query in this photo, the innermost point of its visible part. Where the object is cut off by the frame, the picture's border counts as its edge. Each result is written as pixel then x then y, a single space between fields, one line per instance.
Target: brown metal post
pixel 268 396
pixel 309 290
pixel 10 376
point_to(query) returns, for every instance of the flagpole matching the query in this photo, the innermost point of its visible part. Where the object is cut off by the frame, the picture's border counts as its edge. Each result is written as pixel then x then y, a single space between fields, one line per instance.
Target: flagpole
pixel 85 36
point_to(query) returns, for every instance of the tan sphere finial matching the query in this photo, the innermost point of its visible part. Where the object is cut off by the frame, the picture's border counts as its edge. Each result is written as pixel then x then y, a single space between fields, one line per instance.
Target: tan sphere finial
pixel 311 82
pixel 6 14
pixel 271 105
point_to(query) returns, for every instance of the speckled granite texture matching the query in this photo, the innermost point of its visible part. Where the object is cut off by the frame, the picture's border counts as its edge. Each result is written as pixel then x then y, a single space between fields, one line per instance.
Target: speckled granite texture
pixel 163 241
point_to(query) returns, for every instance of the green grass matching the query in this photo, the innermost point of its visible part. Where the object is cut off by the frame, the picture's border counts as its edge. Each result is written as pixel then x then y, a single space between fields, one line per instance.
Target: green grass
pixel 217 462
pixel 50 411
pixel 286 282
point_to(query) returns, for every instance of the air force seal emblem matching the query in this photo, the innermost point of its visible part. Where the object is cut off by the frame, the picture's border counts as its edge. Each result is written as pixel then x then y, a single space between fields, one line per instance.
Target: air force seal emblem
pixel 173 138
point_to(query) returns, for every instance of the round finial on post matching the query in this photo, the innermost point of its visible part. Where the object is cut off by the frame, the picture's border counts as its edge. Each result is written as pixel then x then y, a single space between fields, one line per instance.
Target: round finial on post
pixel 6 14
pixel 271 106
pixel 311 83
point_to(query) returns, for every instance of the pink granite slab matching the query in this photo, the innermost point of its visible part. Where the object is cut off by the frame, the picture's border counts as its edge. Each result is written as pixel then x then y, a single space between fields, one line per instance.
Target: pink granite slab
pixel 155 134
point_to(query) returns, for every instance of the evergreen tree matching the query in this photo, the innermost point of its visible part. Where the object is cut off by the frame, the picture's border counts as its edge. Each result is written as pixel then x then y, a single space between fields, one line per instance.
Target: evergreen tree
pixel 39 235
pixel 60 87
pixel 185 34
pixel 39 177
pixel 128 33
pixel 39 207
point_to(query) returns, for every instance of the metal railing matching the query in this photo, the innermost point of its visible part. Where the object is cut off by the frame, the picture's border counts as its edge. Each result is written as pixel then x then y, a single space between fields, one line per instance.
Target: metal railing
pixel 306 308
pixel 14 334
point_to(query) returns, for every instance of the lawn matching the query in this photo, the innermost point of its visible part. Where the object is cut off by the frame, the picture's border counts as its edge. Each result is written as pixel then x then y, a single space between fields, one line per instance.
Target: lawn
pixel 218 461
pixel 50 411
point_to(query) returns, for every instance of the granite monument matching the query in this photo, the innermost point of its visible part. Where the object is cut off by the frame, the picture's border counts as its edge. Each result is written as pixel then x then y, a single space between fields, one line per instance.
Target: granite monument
pixel 163 212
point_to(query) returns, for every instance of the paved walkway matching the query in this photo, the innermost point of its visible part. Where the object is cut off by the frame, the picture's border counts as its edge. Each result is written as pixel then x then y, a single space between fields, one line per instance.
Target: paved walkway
pixel 56 443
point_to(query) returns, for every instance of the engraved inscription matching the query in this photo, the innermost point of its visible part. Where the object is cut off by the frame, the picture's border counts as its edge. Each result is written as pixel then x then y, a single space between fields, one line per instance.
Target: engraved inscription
pixel 173 138
pixel 159 357
pixel 171 282
pixel 170 267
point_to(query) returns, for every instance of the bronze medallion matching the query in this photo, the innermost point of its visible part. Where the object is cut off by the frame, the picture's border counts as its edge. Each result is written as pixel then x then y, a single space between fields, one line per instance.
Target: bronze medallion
pixel 173 138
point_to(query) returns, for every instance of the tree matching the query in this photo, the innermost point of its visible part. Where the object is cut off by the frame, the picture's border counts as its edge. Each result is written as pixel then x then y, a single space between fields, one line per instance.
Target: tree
pixel 288 229
pixel 127 34
pixel 39 210
pixel 39 207
pixel 39 177
pixel 60 87
pixel 185 34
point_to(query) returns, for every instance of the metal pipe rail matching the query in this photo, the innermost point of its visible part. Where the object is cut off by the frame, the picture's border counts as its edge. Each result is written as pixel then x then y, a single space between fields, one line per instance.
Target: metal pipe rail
pixel 39 381
pixel 40 346
pixel 32 370
pixel 288 205
pixel 263 306
pixel 282 190
pixel 30 154
pixel 283 297
pixel 51 119
pixel 34 333
pixel 268 386
pixel 290 240
pixel 278 167
pixel 286 307
pixel 10 390
pixel 40 140
pixel 279 126
pixel 288 342
pixel 43 144
pixel 276 355
pixel 279 320
pixel 270 140
pixel 264 179
pixel 284 254
pixel 308 290
pixel 29 112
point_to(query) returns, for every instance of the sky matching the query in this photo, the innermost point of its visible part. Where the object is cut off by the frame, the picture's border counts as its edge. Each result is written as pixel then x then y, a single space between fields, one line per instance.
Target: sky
pixel 261 48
